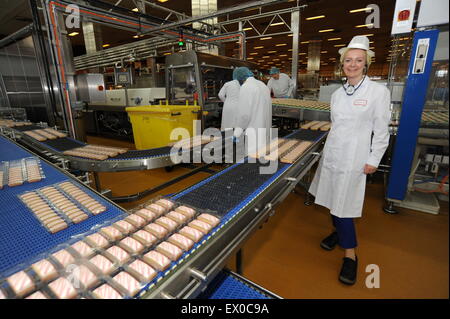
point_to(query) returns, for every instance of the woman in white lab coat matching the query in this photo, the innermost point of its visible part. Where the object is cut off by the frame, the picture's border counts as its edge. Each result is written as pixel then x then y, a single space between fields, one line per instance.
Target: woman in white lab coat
pixel 356 143
pixel 229 95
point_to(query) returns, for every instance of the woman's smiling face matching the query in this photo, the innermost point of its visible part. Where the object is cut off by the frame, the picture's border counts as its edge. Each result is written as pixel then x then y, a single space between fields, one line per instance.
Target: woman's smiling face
pixel 354 63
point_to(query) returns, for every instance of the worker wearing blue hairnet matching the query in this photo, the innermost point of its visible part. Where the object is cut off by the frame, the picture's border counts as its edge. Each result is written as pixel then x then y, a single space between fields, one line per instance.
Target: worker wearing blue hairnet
pixel 254 108
pixel 229 95
pixel 280 84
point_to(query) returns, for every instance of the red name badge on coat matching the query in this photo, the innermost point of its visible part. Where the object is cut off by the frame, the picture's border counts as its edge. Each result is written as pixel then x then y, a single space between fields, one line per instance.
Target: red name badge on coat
pixel 360 102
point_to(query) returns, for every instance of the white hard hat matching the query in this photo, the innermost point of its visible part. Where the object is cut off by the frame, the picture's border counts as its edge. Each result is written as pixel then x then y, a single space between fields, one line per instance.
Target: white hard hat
pixel 359 42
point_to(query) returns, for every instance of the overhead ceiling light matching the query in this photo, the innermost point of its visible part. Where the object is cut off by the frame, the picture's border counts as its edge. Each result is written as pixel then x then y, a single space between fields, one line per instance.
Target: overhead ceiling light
pixel 106 45
pixel 323 51
pixel 304 42
pixel 280 45
pixel 73 34
pixel 290 50
pixel 253 53
pixel 283 55
pixel 339 45
pixel 364 25
pixel 361 10
pixel 276 23
pixel 258 47
pixel 247 29
pixel 135 10
pixel 316 17
pixel 271 51
pixel 290 35
pixel 326 30
pixel 366 35
pixel 163 0
pixel 266 38
pixel 276 59
pixel 334 39
pixel 303 53
pixel 266 56
pixel 250 58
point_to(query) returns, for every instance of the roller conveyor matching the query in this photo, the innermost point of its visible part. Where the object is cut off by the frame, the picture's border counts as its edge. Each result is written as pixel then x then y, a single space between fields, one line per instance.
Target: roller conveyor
pixel 239 195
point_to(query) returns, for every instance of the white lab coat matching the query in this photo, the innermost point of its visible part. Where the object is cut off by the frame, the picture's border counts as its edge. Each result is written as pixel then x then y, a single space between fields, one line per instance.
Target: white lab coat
pixel 339 183
pixel 254 110
pixel 283 87
pixel 229 94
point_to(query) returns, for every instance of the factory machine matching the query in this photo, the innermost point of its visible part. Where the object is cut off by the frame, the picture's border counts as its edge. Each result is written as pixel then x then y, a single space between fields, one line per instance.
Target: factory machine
pixel 418 176
pixel 235 210
pixel 196 76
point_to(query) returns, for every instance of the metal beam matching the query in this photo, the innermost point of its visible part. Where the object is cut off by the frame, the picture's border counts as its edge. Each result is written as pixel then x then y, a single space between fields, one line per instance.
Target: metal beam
pixel 215 14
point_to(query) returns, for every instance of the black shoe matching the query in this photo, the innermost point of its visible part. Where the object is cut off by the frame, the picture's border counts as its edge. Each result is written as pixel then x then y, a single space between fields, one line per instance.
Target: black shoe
pixel 349 271
pixel 330 242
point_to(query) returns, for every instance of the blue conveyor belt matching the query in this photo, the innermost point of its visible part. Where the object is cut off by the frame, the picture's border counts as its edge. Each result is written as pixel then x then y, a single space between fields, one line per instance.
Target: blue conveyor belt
pixel 226 286
pixel 22 237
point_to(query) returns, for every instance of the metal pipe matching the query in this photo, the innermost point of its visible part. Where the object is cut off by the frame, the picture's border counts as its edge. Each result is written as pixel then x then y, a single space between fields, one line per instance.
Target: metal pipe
pixel 18 35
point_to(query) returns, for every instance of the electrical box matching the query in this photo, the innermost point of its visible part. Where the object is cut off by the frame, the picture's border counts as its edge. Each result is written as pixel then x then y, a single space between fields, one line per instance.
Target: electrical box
pixel 136 97
pixel 90 87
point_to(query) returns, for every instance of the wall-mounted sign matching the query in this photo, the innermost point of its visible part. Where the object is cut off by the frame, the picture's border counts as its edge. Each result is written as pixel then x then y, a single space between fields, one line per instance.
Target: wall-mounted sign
pixel 403 16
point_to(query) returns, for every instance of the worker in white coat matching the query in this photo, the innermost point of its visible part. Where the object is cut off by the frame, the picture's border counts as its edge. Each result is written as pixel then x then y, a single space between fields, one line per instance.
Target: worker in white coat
pixel 229 95
pixel 354 147
pixel 254 112
pixel 280 84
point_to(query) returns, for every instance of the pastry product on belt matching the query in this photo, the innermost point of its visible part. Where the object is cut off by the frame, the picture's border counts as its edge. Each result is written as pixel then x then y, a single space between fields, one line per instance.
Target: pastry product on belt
pixel 210 219
pixel 145 271
pixel 309 124
pixel 83 249
pixel 200 225
pixel 63 288
pixel 147 214
pixel 145 238
pixel 167 204
pixel 105 291
pixel 103 264
pixel 319 125
pixel 181 241
pixel 132 245
pixel 119 253
pixel 98 241
pixel 169 250
pixel 167 223
pixel 124 226
pixel 177 217
pixel 136 220
pixel 157 230
pixel 21 283
pixel 294 154
pixel 112 233
pixel 189 212
pixel 37 295
pixel 157 260
pixel 157 209
pixel 191 233
pixel 128 282
pixel 64 257
pixel 45 270
pixel 85 276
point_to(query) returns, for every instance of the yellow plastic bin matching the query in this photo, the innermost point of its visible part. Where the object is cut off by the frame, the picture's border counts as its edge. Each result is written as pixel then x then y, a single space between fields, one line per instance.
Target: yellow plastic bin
pixel 153 124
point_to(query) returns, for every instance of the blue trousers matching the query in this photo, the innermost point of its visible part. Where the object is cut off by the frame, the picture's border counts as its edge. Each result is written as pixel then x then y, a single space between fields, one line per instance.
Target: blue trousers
pixel 345 228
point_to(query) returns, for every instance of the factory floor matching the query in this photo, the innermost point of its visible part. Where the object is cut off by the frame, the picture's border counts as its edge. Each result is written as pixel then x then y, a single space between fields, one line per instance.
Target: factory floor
pixel 409 249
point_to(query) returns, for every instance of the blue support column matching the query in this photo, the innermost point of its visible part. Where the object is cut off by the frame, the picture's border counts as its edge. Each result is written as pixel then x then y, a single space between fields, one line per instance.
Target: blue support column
pixel 413 102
